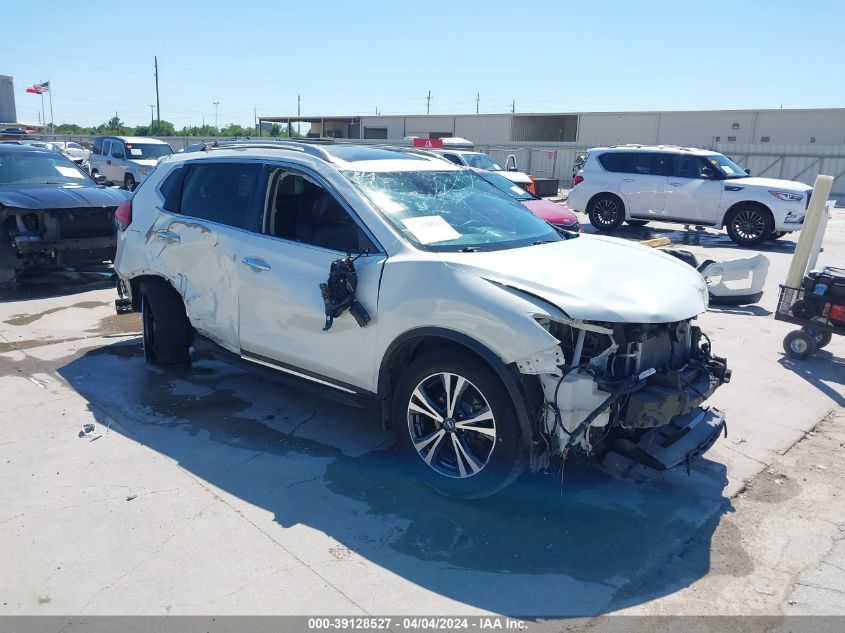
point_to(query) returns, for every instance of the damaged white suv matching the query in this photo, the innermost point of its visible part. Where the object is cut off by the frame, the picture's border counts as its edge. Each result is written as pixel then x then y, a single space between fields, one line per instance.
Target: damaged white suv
pixel 491 340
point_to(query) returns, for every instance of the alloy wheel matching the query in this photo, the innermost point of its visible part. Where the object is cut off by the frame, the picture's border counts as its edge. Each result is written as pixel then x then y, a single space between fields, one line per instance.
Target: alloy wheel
pixel 451 424
pixel 749 224
pixel 606 211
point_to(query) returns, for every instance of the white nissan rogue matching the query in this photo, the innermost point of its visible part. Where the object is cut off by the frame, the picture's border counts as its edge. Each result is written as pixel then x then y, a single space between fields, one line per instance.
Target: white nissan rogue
pixel 638 184
pixel 490 340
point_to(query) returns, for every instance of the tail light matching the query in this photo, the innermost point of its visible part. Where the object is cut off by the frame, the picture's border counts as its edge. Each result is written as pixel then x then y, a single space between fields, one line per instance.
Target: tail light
pixel 577 179
pixel 837 313
pixel 123 215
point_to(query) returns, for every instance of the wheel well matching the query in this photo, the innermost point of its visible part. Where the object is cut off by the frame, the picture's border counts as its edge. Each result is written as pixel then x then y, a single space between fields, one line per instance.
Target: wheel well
pixel 599 195
pixel 747 203
pixel 135 288
pixel 525 391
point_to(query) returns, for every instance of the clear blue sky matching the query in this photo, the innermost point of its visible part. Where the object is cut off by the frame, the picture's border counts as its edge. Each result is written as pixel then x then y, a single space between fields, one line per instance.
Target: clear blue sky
pixel 351 56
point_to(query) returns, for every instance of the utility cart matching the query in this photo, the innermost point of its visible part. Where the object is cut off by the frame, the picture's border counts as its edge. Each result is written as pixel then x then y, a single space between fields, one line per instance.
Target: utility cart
pixel 818 306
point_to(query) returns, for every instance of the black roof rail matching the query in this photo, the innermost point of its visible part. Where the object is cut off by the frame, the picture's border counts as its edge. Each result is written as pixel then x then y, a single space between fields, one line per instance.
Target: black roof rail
pixel 307 147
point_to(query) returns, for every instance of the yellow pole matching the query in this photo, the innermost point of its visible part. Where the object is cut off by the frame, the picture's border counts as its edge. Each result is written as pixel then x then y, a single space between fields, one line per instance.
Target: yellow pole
pixel 798 267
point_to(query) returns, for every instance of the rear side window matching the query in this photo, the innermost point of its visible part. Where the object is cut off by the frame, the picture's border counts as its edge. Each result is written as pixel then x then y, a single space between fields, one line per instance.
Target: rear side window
pixel 616 161
pixel 223 193
pixel 452 159
pixel 98 146
pixel 171 190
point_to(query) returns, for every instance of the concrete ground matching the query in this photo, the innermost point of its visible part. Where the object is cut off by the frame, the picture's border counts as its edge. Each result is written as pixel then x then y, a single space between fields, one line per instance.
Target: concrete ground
pixel 216 491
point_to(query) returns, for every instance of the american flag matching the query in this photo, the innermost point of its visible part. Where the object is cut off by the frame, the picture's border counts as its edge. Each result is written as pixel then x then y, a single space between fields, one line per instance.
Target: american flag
pixel 38 89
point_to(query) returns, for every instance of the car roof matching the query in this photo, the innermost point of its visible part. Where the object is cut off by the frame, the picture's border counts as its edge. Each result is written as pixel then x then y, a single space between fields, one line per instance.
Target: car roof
pixel 344 156
pixel 455 151
pixel 11 148
pixel 655 148
pixel 137 139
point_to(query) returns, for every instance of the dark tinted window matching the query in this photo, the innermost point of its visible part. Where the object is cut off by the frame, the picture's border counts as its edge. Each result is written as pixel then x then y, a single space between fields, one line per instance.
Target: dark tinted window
pixel 221 192
pixel 98 146
pixel 694 167
pixel 452 158
pixel 171 189
pixel 301 210
pixel 616 161
pixel 117 150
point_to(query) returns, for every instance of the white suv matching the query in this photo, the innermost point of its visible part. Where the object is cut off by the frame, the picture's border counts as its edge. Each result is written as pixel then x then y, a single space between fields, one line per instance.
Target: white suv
pixel 637 184
pixel 490 339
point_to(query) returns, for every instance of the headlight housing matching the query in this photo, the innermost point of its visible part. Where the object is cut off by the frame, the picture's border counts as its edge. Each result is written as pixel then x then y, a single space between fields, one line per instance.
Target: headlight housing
pixel 787 196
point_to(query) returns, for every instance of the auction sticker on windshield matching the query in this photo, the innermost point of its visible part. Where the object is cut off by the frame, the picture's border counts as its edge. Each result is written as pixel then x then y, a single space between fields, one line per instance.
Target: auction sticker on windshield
pixel 431 228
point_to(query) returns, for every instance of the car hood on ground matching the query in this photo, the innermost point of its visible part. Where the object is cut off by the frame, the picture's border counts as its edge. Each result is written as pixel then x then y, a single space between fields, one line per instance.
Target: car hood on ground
pixel 47 197
pixel 551 212
pixel 595 278
pixel 769 183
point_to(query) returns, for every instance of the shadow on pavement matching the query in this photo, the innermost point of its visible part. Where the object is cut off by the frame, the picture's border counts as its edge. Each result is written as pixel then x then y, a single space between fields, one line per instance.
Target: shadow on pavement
pixel 821 370
pixel 536 549
pixel 35 283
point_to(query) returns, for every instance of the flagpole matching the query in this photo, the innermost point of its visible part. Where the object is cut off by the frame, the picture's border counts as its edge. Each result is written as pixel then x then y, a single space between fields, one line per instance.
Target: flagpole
pixel 43 116
pixel 52 125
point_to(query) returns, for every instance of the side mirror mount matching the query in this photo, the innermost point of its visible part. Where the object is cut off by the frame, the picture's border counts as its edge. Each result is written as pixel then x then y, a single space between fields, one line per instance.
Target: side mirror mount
pixel 99 178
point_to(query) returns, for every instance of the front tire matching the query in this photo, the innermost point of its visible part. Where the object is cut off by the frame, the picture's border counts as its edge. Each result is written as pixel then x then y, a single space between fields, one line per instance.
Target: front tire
pixel 456 425
pixel 799 345
pixel 749 224
pixel 821 337
pixel 167 331
pixel 129 182
pixel 606 212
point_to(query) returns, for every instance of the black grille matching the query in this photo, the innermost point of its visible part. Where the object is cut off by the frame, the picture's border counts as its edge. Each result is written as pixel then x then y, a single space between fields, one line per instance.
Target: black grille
pixel 85 223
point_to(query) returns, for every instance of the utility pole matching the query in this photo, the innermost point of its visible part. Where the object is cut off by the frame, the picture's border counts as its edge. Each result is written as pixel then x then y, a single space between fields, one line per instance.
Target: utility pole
pixel 158 104
pixel 151 118
pixel 513 106
pixel 428 103
pixel 298 105
pixel 215 104
pixel 477 101
pixel 255 118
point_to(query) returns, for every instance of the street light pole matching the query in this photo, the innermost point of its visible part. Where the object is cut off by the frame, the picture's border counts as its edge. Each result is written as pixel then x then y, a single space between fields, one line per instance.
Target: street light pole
pixel 217 129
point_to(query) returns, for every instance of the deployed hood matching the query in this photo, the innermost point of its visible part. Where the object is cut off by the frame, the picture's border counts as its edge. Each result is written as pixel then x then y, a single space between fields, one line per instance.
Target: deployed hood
pixel 769 183
pixel 51 197
pixel 595 278
pixel 515 176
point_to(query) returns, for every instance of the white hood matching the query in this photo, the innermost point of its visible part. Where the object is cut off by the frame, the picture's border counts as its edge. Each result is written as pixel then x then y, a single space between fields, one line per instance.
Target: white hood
pixel 515 176
pixel 144 162
pixel 769 183
pixel 596 278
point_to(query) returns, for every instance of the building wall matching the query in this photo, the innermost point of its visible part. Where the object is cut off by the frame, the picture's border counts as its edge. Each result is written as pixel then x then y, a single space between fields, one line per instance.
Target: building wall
pixel 484 129
pixel 8 113
pixel 617 129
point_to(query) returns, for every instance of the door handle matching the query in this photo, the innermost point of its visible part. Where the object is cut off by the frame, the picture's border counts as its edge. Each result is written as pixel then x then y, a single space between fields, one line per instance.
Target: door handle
pixel 256 264
pixel 675 184
pixel 168 236
pixel 628 179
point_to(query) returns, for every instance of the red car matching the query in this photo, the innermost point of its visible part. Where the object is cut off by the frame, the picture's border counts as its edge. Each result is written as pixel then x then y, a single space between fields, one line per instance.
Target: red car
pixel 552 212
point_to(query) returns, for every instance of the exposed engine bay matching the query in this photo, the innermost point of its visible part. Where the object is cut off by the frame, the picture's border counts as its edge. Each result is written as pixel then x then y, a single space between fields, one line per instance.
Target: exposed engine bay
pixel 636 389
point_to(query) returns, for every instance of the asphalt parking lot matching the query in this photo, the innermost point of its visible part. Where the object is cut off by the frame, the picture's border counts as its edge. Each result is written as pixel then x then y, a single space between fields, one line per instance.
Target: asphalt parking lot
pixel 213 491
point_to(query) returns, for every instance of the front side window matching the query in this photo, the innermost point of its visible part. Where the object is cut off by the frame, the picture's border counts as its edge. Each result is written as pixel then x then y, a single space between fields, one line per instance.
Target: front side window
pixel 221 192
pixel 451 210
pixel 300 209
pixel 143 151
pixel 694 167
pixel 726 167
pixel 117 150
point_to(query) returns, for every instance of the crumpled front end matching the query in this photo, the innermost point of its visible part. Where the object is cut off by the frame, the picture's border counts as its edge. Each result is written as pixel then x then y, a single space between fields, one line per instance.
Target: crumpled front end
pixel 635 392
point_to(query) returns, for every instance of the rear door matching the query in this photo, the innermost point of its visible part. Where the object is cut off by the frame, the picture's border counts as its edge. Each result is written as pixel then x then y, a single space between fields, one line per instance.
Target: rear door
pixel 307 226
pixel 212 209
pixel 694 191
pixel 643 184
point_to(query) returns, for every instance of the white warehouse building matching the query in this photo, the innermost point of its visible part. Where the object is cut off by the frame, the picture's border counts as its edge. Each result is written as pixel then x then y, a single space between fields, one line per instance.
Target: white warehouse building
pixel 796 144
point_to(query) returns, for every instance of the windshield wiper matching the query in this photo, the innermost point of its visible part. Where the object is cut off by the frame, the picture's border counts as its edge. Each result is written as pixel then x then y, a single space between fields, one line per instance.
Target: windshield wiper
pixel 538 242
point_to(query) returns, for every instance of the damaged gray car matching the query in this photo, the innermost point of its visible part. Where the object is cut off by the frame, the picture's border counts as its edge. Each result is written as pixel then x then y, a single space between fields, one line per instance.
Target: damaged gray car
pixel 52 213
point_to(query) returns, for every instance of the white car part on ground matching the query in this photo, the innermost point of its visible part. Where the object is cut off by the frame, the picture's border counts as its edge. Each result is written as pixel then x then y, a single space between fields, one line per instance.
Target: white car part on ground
pixel 721 280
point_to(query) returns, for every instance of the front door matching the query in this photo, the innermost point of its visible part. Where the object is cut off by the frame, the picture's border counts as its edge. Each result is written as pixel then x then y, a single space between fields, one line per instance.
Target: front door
pixel 693 192
pixel 282 315
pixel 116 162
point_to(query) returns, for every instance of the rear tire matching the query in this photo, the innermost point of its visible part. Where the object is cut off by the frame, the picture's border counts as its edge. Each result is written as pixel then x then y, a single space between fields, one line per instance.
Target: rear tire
pixel 129 182
pixel 821 337
pixel 8 263
pixel 453 456
pixel 167 331
pixel 636 222
pixel 606 212
pixel 749 224
pixel 799 345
